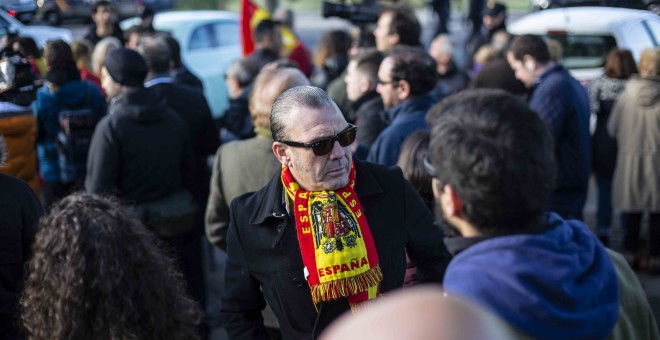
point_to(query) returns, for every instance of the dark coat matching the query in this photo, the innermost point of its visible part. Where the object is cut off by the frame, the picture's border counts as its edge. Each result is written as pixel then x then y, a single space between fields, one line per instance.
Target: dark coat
pixel 192 107
pixel 404 119
pixel 93 38
pixel 368 109
pixel 140 151
pixel 20 211
pixel 563 103
pixel 236 123
pixel 264 260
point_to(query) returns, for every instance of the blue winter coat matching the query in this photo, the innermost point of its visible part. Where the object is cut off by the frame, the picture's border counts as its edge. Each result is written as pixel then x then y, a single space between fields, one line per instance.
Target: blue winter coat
pixel 405 119
pixel 47 107
pixel 560 284
pixel 563 103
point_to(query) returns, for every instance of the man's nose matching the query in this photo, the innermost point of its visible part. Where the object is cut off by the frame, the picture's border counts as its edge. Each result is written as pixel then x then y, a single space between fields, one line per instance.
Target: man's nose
pixel 337 151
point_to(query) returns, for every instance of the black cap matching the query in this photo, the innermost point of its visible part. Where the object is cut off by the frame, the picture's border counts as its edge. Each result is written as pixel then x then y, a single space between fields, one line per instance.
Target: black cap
pixel 126 67
pixel 493 8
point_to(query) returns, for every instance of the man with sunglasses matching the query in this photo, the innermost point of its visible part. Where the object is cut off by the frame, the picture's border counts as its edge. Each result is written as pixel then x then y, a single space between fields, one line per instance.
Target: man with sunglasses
pixel 406 78
pixel 327 233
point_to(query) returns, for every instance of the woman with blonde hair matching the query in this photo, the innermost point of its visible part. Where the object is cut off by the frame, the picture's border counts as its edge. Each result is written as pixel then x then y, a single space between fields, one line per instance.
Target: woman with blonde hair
pixel 635 124
pixel 101 50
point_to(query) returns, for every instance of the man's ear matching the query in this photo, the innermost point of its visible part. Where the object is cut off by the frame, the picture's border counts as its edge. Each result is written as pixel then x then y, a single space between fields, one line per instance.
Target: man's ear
pixel 366 84
pixel 280 151
pixel 529 62
pixel 403 89
pixel 394 39
pixel 450 203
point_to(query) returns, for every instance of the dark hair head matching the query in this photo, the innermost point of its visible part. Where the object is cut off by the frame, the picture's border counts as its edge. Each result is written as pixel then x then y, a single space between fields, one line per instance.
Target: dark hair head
pixel 415 66
pixel 411 162
pixel 620 64
pixel 97 273
pixel 264 28
pixel 62 66
pixel 136 29
pixel 367 63
pixel 497 155
pixel 28 47
pixel 175 50
pixel 301 96
pixel 405 24
pixel 532 45
pixel 99 4
pixel 333 44
pixel 156 53
pixel 147 12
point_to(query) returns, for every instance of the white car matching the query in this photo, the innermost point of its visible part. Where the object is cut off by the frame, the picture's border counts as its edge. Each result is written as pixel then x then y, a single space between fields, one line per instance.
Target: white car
pixel 40 34
pixel 210 41
pixel 588 33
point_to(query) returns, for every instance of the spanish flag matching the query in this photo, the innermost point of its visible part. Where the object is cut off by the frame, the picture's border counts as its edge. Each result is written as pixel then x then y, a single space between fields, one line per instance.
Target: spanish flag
pixel 251 15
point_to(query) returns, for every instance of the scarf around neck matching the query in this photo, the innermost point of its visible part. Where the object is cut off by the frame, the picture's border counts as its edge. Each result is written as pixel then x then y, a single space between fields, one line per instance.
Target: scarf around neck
pixel 336 244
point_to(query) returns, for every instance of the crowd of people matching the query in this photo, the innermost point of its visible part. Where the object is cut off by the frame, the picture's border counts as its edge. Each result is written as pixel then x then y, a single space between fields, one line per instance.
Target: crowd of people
pixel 337 178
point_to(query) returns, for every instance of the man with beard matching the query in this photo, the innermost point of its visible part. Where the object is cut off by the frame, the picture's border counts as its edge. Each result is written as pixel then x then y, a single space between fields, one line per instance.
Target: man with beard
pixel 493 165
pixel 326 233
pixel 405 80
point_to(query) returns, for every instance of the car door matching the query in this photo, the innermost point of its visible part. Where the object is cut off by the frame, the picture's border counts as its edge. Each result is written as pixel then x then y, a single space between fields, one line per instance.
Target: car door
pixel 208 50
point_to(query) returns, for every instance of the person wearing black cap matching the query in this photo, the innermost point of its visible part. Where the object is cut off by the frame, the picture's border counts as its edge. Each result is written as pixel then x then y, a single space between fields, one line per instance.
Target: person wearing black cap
pixel 493 19
pixel 140 151
pixel 63 91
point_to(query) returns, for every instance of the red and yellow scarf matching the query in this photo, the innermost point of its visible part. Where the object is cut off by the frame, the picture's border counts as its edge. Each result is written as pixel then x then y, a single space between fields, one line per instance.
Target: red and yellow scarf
pixel 335 241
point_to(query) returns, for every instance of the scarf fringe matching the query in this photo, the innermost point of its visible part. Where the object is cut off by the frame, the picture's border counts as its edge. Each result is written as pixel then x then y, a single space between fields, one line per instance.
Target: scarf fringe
pixel 348 286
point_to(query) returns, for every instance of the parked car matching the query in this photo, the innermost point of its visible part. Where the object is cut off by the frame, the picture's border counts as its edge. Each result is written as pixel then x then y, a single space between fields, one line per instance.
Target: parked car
pixel 54 12
pixel 588 33
pixel 23 10
pixel 40 34
pixel 651 5
pixel 209 40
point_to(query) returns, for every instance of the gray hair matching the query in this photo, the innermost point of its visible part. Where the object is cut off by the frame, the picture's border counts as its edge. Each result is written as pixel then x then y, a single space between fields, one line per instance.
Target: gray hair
pixel 244 71
pixel 156 52
pixel 306 96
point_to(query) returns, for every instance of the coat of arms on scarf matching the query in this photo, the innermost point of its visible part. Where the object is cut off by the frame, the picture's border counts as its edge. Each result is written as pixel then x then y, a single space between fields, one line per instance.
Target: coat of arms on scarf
pixel 335 242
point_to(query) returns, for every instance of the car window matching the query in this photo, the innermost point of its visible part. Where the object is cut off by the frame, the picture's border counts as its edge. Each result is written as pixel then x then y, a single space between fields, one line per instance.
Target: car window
pixel 214 35
pixel 653 27
pixel 227 33
pixel 584 51
pixel 203 37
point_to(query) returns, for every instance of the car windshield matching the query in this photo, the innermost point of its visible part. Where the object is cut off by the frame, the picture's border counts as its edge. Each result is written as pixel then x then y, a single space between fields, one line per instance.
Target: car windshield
pixel 584 51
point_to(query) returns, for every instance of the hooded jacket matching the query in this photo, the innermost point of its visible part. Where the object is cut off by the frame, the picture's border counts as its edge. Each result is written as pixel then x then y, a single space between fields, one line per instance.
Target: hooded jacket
pixel 140 151
pixel 635 124
pixel 559 284
pixel 47 107
pixel 18 129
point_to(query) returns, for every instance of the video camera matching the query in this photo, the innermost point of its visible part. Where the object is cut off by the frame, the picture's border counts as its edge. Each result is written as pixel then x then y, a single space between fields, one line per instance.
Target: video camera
pixel 364 13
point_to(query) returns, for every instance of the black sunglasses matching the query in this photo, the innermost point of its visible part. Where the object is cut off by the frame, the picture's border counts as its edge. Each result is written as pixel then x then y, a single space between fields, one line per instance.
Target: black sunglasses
pixel 323 146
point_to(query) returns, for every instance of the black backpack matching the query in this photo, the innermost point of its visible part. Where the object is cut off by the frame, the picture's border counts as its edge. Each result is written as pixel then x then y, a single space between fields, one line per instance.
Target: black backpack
pixel 76 128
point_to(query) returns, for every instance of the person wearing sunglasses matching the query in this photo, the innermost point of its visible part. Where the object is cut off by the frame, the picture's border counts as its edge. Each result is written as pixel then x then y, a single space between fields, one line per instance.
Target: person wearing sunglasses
pixel 406 79
pixel 327 233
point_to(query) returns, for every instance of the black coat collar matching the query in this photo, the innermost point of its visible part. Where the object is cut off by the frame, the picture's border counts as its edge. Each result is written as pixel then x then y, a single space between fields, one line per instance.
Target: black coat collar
pixel 270 197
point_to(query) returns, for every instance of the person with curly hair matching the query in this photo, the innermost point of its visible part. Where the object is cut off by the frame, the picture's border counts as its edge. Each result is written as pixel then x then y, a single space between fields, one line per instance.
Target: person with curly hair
pixel 96 273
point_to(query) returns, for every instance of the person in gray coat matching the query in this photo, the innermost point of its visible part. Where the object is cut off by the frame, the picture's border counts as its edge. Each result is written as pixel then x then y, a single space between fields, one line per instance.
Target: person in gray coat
pixel 247 165
pixel 635 124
